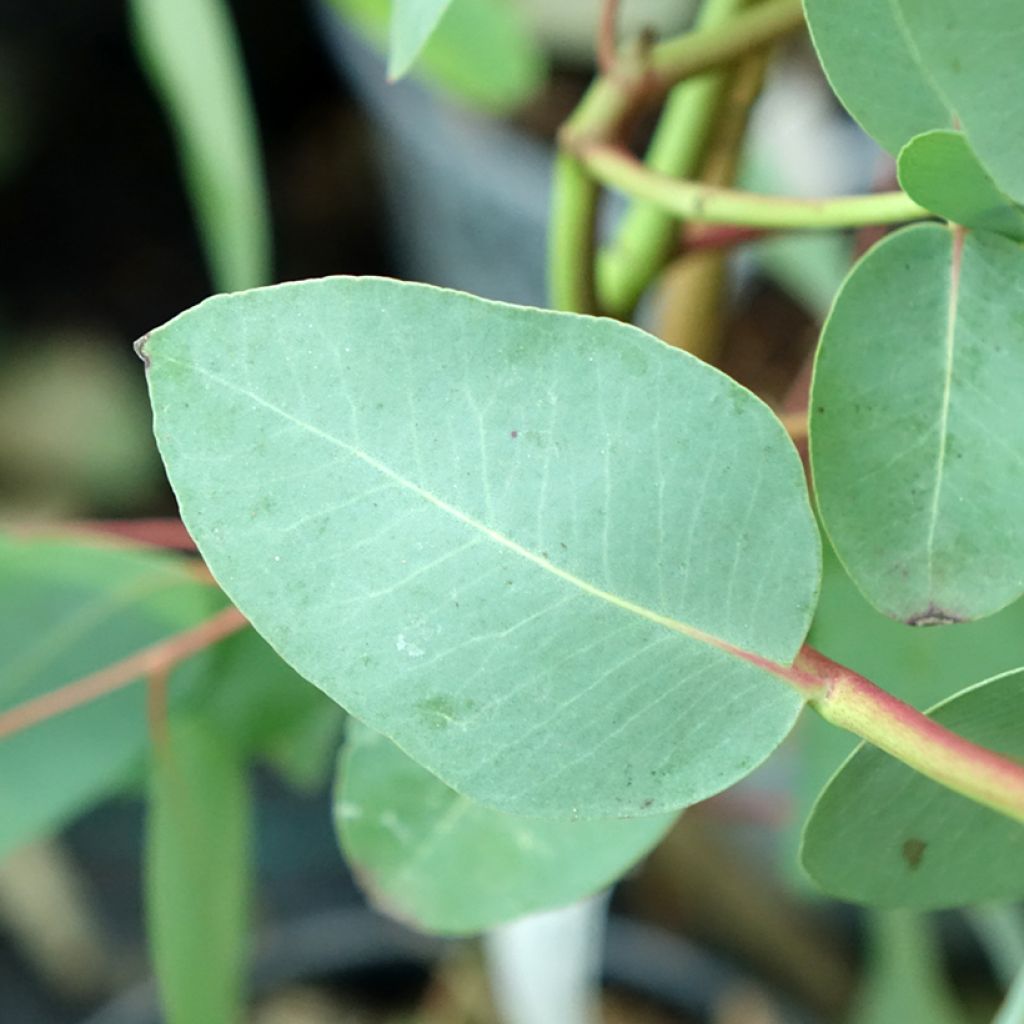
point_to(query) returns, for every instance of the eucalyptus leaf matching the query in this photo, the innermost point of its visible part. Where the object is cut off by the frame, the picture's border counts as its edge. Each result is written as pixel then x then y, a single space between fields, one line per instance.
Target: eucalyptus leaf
pixel 882 834
pixel 972 52
pixel 940 171
pixel 516 542
pixel 873 69
pixel 446 864
pixel 916 442
pixel 189 49
pixel 70 609
pixel 197 875
pixel 412 23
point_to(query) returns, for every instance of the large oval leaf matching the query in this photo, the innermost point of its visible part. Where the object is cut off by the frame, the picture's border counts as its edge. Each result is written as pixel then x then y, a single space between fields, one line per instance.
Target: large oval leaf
pixel 431 857
pixel 940 171
pixel 873 69
pixel 972 52
pixel 885 835
pixel 916 441
pixel 513 541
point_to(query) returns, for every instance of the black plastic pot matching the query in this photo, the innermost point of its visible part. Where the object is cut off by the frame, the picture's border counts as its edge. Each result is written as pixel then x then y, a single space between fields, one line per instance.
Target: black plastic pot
pixel 356 945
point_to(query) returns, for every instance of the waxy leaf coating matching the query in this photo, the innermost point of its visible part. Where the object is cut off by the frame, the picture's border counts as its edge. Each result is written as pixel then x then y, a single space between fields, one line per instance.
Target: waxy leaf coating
pixel 917 442
pixel 940 171
pixel 516 542
pixel 444 863
pixel 882 834
pixel 871 64
pixel 972 54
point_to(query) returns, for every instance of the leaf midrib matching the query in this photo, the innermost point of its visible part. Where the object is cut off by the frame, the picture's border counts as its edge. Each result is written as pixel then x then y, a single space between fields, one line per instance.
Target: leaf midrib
pixel 949 347
pixel 488 532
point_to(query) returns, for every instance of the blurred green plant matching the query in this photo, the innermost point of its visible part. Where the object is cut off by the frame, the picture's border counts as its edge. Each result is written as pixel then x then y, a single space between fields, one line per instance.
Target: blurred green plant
pixel 562 573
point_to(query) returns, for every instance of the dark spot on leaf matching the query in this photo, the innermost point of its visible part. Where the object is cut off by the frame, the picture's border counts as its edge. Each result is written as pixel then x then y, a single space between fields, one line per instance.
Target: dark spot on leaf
pixel 140 350
pixel 912 852
pixel 933 615
pixel 649 802
pixel 821 409
pixel 513 434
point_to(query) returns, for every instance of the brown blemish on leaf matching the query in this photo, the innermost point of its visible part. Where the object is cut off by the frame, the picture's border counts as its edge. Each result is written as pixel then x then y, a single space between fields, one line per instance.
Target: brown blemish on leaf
pixel 933 615
pixel 140 350
pixel 912 852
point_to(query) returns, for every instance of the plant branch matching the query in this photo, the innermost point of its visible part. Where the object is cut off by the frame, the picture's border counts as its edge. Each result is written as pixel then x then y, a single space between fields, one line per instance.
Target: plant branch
pixel 640 77
pixel 145 664
pixel 645 237
pixel 848 700
pixel 688 200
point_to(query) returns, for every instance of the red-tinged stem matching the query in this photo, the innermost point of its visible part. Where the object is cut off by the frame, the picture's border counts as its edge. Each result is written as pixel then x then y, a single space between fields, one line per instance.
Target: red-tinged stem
pixel 606 32
pixel 699 237
pixel 151 661
pixel 165 532
pixel 854 703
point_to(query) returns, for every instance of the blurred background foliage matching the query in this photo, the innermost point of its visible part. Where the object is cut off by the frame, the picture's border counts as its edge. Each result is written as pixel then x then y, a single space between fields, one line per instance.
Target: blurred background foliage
pixel 117 212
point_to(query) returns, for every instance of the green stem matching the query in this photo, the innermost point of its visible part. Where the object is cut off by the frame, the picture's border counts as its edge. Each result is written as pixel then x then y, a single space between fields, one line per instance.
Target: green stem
pixel 688 200
pixel 645 238
pixel 640 79
pixel 571 241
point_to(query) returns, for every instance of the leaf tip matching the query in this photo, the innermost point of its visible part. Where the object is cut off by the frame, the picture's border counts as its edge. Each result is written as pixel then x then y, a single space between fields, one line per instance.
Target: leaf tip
pixel 140 349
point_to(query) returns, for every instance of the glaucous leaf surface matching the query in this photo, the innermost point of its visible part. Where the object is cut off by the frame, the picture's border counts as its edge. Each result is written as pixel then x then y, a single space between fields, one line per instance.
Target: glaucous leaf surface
pixel 191 53
pixel 446 864
pixel 916 439
pixel 70 609
pixel 412 22
pixel 972 52
pixel 920 666
pixel 480 53
pixel 940 171
pixel 197 875
pixel 883 834
pixel 872 66
pixel 513 541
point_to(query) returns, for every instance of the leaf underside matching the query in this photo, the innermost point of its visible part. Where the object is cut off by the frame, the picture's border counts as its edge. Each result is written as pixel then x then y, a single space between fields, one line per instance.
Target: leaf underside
pixel 872 66
pixel 882 834
pixel 916 441
pixel 972 54
pixel 940 172
pixel 497 535
pixel 431 857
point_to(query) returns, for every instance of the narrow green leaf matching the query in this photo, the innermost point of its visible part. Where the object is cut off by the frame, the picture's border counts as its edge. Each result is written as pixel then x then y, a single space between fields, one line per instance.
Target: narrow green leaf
pixel 872 66
pixel 197 876
pixel 906 979
pixel 480 53
pixel 940 171
pixel 513 541
pixel 916 443
pixel 189 49
pixel 447 864
pixel 882 834
pixel 68 610
pixel 412 23
pixel 972 52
